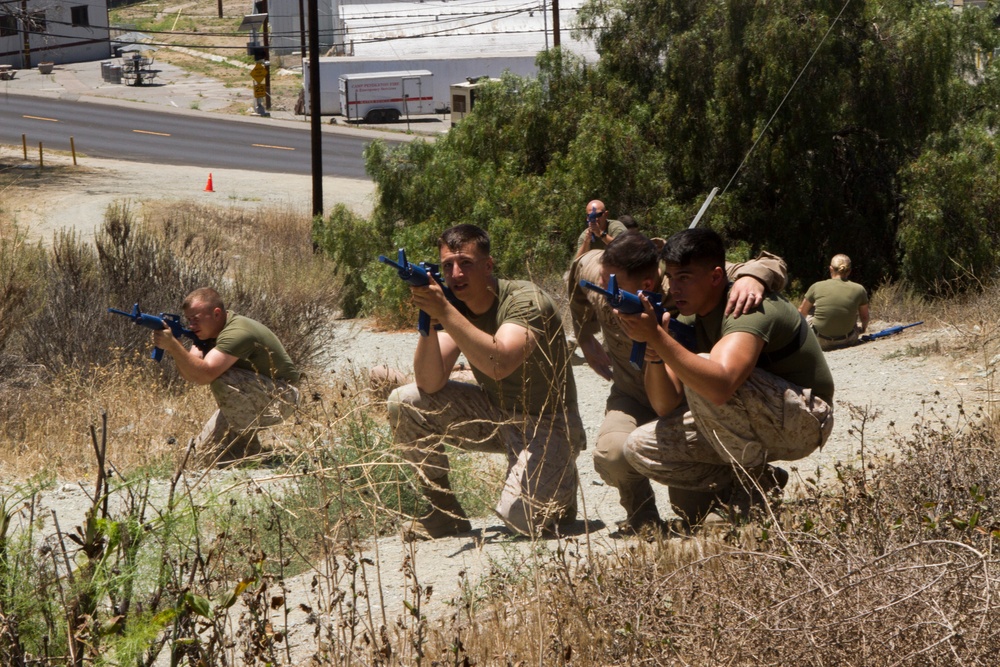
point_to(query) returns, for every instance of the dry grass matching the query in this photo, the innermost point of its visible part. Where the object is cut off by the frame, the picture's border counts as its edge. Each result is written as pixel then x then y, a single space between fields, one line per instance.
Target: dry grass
pixel 890 563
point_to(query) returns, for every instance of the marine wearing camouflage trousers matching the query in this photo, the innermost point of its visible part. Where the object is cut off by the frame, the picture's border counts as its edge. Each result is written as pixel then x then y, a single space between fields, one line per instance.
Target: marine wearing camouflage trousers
pixel 700 446
pixel 247 403
pixel 540 486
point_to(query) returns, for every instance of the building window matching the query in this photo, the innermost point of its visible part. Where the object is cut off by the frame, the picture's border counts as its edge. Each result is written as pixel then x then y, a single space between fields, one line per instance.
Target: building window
pixel 8 25
pixel 80 15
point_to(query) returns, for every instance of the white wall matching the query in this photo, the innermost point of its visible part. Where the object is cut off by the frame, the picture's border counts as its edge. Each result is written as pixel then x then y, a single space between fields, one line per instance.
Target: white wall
pixel 446 72
pixel 62 42
pixel 285 32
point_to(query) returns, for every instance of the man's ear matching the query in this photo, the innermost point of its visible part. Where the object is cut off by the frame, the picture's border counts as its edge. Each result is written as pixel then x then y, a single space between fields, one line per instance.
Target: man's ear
pixel 719 276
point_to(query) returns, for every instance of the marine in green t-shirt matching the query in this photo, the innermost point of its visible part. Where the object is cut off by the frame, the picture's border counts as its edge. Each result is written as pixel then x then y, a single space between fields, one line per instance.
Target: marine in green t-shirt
pixel 251 376
pixel 757 390
pixel 835 306
pixel 600 230
pixel 524 404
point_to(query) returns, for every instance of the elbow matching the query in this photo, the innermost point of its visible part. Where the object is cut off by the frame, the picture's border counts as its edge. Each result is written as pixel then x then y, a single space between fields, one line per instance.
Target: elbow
pixel 720 398
pixel 499 373
pixel 430 387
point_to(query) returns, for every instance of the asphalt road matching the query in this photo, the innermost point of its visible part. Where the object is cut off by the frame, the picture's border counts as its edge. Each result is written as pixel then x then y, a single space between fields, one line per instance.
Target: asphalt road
pixel 143 134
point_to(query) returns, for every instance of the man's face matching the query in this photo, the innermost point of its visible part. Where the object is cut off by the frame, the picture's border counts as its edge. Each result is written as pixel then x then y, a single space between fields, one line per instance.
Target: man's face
pixel 206 322
pixel 692 287
pixel 467 271
pixel 625 281
pixel 597 213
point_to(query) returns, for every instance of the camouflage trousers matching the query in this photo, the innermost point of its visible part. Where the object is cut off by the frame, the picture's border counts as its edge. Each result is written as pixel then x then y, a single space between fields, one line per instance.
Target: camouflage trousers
pixel 247 403
pixel 541 450
pixel 700 446
pixel 623 414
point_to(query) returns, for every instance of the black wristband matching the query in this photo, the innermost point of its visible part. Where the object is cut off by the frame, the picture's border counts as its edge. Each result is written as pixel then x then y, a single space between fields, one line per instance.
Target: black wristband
pixel 656 362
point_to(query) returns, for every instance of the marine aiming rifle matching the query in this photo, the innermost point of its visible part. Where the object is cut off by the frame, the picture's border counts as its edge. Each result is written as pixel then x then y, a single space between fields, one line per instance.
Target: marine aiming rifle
pixel 417 276
pixel 887 332
pixel 155 323
pixel 592 217
pixel 631 304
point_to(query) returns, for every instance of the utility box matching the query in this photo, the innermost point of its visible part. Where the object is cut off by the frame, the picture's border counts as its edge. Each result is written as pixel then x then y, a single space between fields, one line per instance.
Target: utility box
pixel 463 96
pixel 385 97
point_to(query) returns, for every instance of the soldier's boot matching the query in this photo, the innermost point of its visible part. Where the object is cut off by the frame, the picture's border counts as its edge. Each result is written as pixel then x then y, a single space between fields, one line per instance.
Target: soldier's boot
pixel 445 518
pixel 692 506
pixel 238 449
pixel 639 502
pixel 755 491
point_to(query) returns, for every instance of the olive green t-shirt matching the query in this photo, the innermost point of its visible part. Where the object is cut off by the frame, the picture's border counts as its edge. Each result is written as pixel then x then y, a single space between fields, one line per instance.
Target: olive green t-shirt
pixel 615 227
pixel 256 347
pixel 544 383
pixel 836 304
pixel 777 323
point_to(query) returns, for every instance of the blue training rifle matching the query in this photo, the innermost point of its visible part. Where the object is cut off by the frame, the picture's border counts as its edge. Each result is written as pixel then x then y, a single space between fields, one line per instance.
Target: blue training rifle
pixel 887 332
pixel 630 304
pixel 155 323
pixel 417 276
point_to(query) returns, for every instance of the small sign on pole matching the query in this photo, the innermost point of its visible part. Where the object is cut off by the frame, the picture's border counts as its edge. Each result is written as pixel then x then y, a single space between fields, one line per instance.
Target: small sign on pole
pixel 259 90
pixel 259 72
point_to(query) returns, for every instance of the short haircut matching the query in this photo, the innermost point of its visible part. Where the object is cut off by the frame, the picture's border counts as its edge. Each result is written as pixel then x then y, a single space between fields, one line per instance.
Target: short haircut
pixel 460 235
pixel 632 253
pixel 694 246
pixel 628 221
pixel 205 295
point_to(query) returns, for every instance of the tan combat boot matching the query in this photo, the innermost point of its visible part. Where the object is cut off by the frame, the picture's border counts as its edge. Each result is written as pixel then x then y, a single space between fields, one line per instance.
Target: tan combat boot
pixel 640 505
pixel 446 517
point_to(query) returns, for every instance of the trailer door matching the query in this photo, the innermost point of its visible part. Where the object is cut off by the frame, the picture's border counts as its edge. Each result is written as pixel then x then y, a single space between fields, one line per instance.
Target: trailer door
pixel 412 95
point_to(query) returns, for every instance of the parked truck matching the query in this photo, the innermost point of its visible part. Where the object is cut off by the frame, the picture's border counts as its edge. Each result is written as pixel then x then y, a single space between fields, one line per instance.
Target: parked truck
pixel 385 97
pixel 463 96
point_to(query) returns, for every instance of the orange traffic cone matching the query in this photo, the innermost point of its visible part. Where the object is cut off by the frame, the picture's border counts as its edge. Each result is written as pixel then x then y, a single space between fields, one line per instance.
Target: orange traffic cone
pixel 208 186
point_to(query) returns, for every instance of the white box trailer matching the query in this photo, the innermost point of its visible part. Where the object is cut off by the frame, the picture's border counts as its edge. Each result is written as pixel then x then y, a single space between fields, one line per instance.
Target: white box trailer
pixel 385 97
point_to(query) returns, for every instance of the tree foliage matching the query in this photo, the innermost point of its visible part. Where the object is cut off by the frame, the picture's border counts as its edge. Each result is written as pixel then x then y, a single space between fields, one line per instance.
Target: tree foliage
pixel 821 122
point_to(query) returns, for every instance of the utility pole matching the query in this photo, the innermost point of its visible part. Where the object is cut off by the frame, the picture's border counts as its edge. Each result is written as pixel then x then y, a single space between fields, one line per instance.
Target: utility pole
pixel 25 31
pixel 314 109
pixel 267 57
pixel 555 24
pixel 545 24
pixel 302 34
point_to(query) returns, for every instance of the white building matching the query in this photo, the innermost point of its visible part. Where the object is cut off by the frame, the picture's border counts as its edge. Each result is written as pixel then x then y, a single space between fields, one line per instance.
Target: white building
pixel 285 29
pixel 454 39
pixel 58 31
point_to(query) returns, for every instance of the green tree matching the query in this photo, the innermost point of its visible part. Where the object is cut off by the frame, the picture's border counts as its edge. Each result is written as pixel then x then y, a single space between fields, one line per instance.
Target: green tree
pixel 809 115
pixel 950 228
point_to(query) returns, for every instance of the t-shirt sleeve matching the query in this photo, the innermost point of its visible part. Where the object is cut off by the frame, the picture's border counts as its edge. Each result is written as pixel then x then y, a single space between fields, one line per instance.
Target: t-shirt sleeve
pixel 755 323
pixel 811 294
pixel 237 342
pixel 522 308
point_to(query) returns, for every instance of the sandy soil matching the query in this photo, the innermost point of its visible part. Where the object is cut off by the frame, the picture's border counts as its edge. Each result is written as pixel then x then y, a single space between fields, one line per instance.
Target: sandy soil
pixel 78 196
pixel 890 378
